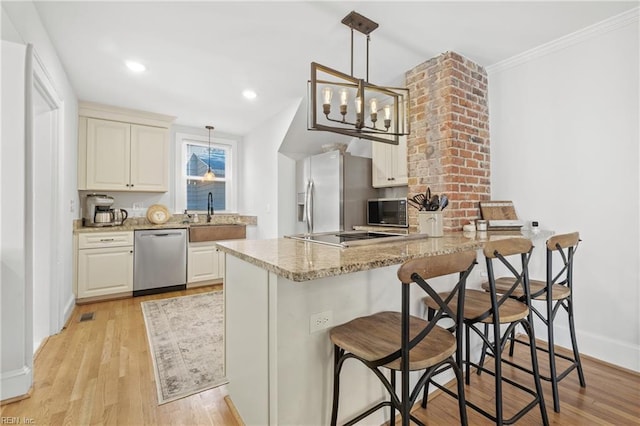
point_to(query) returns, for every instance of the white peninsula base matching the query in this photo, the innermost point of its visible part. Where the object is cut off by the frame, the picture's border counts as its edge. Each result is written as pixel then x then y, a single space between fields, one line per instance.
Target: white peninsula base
pixel 281 374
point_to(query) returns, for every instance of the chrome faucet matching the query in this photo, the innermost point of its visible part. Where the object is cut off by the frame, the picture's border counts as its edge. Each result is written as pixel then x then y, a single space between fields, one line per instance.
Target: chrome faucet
pixel 209 207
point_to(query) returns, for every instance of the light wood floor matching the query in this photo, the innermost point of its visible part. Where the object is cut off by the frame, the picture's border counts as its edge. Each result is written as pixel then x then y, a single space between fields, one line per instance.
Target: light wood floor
pixel 612 396
pixel 100 372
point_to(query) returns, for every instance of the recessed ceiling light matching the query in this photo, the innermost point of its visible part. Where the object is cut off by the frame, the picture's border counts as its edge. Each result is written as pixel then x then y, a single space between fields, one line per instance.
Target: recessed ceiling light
pixel 135 66
pixel 249 94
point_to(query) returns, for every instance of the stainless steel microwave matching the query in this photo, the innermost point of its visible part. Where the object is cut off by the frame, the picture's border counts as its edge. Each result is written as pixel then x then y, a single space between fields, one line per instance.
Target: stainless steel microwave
pixel 387 212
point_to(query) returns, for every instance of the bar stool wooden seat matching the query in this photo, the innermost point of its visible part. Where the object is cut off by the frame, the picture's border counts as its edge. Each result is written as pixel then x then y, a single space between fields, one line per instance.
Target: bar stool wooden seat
pixel 483 309
pixel 556 292
pixel 400 342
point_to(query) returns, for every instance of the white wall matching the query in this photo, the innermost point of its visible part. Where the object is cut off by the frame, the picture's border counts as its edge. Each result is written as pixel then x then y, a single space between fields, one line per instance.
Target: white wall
pixel 564 148
pixel 21 24
pixel 15 347
pixel 260 175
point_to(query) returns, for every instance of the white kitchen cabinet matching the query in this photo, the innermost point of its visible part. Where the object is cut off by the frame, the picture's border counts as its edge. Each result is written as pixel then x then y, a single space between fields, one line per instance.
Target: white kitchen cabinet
pixel 108 154
pixel 389 164
pixel 122 150
pixel 104 264
pixel 126 157
pixel 205 262
pixel 149 159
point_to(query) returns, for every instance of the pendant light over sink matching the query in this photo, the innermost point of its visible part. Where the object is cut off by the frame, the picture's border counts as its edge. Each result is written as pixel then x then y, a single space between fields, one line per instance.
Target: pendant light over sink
pixel 209 175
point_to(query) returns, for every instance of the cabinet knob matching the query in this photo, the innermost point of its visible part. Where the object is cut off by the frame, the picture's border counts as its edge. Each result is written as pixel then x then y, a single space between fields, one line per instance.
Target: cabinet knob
pixel 391 178
pixel 130 251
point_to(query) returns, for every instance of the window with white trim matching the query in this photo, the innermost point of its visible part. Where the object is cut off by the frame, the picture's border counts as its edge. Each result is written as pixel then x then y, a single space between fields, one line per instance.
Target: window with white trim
pixel 194 159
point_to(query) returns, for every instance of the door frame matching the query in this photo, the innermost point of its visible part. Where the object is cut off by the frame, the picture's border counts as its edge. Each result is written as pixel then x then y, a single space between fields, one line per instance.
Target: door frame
pixel 41 83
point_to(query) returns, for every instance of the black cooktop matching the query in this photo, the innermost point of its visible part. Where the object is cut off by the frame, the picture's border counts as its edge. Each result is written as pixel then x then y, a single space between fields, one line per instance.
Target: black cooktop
pixel 359 236
pixel 347 238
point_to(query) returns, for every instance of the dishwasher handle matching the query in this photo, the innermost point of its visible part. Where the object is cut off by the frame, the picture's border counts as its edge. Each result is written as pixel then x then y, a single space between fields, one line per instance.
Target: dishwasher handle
pixel 165 234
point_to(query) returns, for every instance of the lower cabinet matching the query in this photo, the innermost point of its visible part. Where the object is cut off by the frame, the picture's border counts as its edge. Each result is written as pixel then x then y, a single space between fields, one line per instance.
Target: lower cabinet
pixel 104 264
pixel 205 263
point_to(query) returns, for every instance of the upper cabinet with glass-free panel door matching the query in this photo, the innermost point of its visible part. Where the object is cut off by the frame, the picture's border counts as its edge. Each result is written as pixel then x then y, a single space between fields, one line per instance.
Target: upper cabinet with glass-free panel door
pixel 389 164
pixel 122 150
pixel 108 154
pixel 149 150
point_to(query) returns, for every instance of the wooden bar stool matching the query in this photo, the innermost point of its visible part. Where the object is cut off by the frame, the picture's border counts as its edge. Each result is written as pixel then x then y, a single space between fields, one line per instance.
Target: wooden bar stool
pixel 556 292
pixel 483 309
pixel 400 342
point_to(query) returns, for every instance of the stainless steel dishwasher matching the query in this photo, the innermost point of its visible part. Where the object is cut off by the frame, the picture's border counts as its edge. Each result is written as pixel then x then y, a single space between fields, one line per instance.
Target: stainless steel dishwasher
pixel 159 261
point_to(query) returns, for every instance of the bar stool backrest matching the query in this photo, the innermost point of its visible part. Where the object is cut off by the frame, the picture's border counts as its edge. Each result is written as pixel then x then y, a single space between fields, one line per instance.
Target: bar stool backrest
pixel 500 250
pixel 418 271
pixel 565 245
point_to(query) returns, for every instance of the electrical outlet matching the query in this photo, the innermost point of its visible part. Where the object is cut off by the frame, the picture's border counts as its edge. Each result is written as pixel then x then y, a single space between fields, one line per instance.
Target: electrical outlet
pixel 320 321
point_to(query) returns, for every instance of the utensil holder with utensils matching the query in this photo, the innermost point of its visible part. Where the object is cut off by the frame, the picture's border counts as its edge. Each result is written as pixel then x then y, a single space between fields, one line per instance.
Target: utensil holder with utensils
pixel 430 223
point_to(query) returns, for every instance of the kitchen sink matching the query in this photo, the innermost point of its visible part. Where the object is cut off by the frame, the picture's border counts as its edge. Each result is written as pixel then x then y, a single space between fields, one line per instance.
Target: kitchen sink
pixel 216 232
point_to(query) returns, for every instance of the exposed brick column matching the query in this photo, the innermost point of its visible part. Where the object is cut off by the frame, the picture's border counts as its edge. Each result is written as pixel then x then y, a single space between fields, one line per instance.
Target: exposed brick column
pixel 448 149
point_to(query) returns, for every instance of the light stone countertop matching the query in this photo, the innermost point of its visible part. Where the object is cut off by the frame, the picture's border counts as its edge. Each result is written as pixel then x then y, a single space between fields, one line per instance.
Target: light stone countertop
pixel 138 223
pixel 304 261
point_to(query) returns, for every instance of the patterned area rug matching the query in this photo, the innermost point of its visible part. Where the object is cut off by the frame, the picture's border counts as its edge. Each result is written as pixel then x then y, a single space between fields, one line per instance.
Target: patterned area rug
pixel 186 337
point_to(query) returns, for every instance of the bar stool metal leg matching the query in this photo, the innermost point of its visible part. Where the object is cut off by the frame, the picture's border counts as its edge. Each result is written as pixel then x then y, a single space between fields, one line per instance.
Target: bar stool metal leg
pixel 574 343
pixel 536 372
pixel 337 354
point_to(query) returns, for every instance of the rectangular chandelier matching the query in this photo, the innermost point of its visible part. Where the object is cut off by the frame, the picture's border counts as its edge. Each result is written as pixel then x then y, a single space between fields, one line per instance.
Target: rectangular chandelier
pixel 351 106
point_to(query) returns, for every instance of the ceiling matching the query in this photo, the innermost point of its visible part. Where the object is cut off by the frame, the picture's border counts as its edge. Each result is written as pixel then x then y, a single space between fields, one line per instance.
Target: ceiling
pixel 200 56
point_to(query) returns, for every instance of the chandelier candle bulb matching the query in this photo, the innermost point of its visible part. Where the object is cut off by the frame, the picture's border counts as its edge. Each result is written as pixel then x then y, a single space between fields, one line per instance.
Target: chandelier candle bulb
pixel 327 94
pixel 344 97
pixel 359 115
pixel 387 116
pixel 373 105
pixel 343 103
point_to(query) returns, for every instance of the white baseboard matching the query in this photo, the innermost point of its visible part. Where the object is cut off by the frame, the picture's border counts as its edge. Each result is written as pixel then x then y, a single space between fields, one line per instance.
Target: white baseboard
pixel 15 383
pixel 612 351
pixel 622 354
pixel 605 349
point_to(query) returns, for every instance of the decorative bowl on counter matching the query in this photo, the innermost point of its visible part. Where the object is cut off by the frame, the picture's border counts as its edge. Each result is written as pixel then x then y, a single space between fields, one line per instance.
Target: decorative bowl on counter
pixel 158 214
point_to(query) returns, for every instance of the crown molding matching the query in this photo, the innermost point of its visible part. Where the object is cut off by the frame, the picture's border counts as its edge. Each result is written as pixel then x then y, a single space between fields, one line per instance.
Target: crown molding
pixel 108 112
pixel 618 21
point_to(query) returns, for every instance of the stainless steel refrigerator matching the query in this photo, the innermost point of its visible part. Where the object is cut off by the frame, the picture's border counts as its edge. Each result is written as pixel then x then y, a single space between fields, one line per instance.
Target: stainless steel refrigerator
pixel 333 188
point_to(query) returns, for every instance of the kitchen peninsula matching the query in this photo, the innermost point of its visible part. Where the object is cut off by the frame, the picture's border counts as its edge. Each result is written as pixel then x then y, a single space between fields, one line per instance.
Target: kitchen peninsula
pixel 283 295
